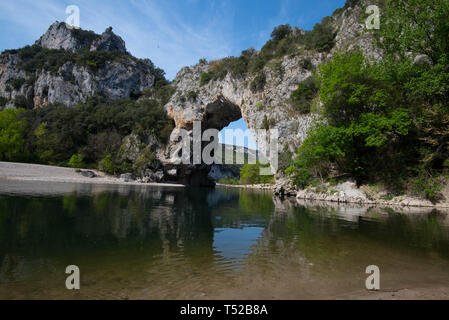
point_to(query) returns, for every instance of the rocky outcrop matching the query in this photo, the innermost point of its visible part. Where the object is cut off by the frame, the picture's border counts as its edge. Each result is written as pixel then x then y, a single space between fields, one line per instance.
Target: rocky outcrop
pixel 220 102
pixel 60 36
pixel 120 76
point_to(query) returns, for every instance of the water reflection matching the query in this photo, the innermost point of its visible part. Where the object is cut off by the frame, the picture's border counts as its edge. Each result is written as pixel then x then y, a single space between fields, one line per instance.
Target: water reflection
pixel 150 242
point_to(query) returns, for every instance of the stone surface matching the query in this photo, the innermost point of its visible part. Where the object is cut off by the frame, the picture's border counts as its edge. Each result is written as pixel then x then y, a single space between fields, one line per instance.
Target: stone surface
pixel 74 83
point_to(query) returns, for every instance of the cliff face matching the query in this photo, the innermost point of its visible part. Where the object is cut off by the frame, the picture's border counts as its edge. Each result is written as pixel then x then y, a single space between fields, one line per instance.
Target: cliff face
pixel 222 101
pixel 68 66
pixel 52 71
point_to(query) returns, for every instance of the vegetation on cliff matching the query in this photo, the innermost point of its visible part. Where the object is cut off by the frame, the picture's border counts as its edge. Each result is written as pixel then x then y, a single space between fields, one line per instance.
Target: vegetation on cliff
pixel 388 120
pixel 86 135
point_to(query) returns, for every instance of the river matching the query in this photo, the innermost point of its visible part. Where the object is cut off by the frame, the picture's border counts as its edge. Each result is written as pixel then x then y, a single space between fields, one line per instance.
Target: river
pixel 139 242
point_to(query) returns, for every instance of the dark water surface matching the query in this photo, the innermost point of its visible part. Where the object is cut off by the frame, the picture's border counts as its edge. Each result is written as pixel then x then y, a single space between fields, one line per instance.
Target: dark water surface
pixel 133 242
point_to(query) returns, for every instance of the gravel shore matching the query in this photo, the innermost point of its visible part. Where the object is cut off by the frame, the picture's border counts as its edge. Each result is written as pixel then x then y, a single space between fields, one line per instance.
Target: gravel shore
pixel 36 172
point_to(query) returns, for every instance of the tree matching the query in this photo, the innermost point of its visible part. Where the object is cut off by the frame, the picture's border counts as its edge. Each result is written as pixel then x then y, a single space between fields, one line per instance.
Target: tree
pixel 76 161
pixel 281 32
pixel 250 174
pixel 12 129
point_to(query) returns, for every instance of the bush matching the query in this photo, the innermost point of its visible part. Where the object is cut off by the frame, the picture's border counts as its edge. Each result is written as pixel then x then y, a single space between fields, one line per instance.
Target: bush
pixel 307 64
pixel 258 83
pixel 16 83
pixel 281 32
pixel 107 165
pixel 3 101
pixel 323 146
pixel 321 38
pixel 301 98
pixel 76 161
pixel 231 181
pixel 23 102
pixel 144 160
pixel 250 174
pixel 192 95
pixel 205 78
pixel 12 131
pixel 427 185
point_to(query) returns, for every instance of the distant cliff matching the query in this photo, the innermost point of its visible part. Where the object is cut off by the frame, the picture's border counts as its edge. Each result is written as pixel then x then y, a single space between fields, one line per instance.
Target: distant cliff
pixel 68 66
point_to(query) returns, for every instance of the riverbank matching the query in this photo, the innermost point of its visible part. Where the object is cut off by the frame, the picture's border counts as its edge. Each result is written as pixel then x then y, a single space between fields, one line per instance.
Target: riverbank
pixel 348 193
pixel 343 193
pixel 36 172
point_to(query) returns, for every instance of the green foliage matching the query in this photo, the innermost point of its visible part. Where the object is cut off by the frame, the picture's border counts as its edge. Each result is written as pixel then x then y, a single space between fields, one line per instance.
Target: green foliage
pixel 267 123
pixel 107 165
pixel 427 185
pixel 301 98
pixel 3 101
pixel 281 32
pixel 35 58
pixel 258 83
pixel 192 95
pixel 16 83
pixel 93 129
pixel 321 38
pixel 144 160
pixel 205 78
pixel 307 64
pixel 76 161
pixel 12 130
pixel 250 174
pixel 22 102
pixel 231 181
pixel 386 121
pixel 324 145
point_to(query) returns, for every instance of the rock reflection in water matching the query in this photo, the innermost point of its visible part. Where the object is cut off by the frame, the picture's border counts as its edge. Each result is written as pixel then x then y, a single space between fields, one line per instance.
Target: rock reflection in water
pixel 155 243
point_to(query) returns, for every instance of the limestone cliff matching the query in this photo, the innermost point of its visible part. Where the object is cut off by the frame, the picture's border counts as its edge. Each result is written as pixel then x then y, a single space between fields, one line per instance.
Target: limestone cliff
pixel 68 66
pixel 221 101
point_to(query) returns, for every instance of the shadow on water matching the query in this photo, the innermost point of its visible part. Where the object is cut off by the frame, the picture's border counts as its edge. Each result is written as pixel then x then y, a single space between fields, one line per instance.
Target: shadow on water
pixel 152 242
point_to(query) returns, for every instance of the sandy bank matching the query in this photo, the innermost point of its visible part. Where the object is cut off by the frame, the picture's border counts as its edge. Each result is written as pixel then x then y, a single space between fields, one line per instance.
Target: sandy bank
pixel 36 172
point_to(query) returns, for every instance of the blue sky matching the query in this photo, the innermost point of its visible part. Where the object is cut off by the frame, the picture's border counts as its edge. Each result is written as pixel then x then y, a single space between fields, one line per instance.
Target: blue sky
pixel 171 33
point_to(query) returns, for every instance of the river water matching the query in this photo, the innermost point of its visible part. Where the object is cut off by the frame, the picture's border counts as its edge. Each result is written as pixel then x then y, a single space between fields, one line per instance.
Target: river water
pixel 139 242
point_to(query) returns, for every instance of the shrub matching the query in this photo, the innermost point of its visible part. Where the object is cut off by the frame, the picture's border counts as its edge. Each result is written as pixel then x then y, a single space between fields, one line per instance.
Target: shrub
pixel 307 64
pixel 16 83
pixel 427 185
pixel 192 95
pixel 205 78
pixel 250 174
pixel 231 181
pixel 258 83
pixel 281 32
pixel 12 131
pixel 3 101
pixel 23 102
pixel 76 161
pixel 301 98
pixel 107 165
pixel 144 160
pixel 267 123
pixel 321 38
